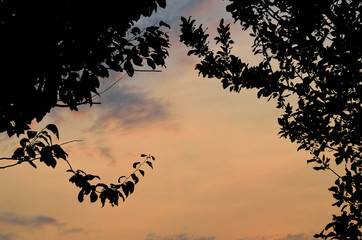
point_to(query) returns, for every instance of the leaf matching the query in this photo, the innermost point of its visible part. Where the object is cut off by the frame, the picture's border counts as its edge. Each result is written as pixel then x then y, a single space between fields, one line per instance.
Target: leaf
pixel 119 179
pixel 221 23
pixel 143 155
pixel 115 186
pixel 45 139
pixel 302 146
pixel 130 186
pixel 338 160
pixel 151 63
pixel 129 68
pixel 47 157
pixel 93 196
pixel 333 189
pixel 30 151
pixel 142 172
pixel 79 171
pixel 102 196
pixel 59 152
pixel 18 153
pixel 162 23
pixel 318 168
pixel 53 128
pixel 91 177
pixel 149 164
pixel 162 3
pixel 31 134
pixel 135 31
pixel 135 164
pixel 153 158
pixel 135 178
pixel 73 179
pixel 125 189
pixel 137 60
pixel 120 194
pixel 32 164
pixel 23 142
pixel 40 144
pixel 81 196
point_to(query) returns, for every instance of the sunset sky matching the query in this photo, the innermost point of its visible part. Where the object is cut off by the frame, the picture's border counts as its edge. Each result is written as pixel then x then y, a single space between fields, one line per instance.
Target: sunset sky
pixel 221 171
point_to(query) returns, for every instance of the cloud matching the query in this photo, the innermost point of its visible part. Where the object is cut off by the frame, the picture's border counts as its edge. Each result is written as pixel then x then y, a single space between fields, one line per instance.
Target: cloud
pixel 11 218
pixel 5 236
pixel 129 107
pixel 177 237
pixel 16 221
pixel 171 14
pixel 72 231
pixel 106 152
pixel 300 236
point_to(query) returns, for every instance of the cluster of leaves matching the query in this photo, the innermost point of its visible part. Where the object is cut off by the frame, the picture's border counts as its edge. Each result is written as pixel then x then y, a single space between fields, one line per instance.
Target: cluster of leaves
pixel 312 67
pixel 62 49
pixel 39 146
pixel 112 192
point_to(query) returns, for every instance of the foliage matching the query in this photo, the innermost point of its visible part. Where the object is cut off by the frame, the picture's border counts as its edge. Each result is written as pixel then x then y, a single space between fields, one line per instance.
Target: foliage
pixel 53 53
pixel 312 67
pixel 39 146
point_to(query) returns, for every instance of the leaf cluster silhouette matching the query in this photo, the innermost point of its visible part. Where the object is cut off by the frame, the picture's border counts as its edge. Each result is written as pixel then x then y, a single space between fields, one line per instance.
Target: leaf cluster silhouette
pixel 312 67
pixel 38 146
pixel 53 53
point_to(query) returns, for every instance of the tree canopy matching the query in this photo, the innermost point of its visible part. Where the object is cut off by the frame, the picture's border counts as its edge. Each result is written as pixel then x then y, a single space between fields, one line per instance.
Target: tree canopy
pixel 312 66
pixel 53 53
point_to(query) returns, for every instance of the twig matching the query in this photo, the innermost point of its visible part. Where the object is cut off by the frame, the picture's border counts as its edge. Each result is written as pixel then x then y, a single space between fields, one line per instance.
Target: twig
pixel 70 142
pixel 7 158
pixel 11 165
pixel 82 103
pixel 109 86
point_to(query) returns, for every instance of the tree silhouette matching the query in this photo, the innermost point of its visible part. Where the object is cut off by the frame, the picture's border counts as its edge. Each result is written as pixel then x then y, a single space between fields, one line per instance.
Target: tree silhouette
pixel 312 67
pixel 53 54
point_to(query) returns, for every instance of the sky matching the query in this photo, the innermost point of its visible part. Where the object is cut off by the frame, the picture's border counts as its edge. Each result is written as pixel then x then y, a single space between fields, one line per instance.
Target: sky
pixel 221 171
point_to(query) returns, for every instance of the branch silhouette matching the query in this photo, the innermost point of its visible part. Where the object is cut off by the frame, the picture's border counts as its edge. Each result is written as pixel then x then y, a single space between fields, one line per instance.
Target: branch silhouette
pixel 38 146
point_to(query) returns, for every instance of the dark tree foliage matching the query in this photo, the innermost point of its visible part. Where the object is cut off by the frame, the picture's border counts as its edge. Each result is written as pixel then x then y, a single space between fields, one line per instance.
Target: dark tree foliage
pixel 312 67
pixel 39 146
pixel 52 53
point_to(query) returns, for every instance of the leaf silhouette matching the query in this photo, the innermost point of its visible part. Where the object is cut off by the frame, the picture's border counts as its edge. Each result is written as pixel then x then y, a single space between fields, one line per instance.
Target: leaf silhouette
pixel 53 128
pixel 135 178
pixel 136 164
pixel 150 164
pixel 81 196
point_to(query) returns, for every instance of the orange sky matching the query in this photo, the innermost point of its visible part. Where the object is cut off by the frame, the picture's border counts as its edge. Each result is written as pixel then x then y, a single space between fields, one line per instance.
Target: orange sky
pixel 221 171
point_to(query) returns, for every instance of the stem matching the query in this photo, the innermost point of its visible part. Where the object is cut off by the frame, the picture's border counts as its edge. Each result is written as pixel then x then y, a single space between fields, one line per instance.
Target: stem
pixel 7 158
pixel 110 86
pixel 70 166
pixel 333 172
pixel 82 103
pixel 37 135
pixel 70 142
pixel 136 170
pixel 141 70
pixel 10 165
